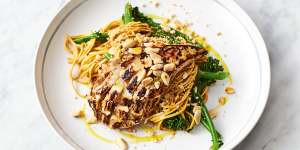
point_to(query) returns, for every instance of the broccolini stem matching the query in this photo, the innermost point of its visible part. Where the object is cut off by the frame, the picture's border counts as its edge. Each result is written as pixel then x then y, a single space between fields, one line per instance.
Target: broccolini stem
pixel 220 75
pixel 127 17
pixel 214 134
pixel 102 37
pixel 207 121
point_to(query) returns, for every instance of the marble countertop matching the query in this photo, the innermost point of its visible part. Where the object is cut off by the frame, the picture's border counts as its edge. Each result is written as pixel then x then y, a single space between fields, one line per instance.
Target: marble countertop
pixel 22 125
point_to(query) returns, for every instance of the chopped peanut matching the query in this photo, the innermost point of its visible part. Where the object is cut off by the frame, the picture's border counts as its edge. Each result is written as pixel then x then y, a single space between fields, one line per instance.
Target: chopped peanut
pixel 165 78
pixel 229 90
pixel 169 67
pixel 122 144
pixel 78 113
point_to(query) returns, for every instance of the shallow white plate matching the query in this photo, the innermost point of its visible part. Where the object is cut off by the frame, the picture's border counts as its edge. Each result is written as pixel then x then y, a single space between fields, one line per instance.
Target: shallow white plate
pixel 240 44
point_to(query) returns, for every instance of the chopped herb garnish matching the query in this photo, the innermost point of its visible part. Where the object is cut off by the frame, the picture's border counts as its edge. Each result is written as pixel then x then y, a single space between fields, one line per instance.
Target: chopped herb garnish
pixel 108 56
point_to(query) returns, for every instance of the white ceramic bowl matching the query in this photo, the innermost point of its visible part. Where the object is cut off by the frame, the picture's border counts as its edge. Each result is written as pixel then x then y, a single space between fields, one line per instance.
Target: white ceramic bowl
pixel 240 42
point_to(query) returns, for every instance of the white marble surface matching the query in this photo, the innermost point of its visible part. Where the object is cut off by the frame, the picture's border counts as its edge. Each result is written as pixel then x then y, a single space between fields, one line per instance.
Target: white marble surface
pixel 22 125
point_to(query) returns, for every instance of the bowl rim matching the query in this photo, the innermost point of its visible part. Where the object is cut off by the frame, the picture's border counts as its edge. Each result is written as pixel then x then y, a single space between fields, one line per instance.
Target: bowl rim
pixel 229 5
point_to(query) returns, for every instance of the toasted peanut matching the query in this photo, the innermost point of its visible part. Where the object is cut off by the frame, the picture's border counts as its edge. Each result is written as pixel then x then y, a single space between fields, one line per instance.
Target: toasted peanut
pixel 169 67
pixel 147 62
pixel 135 51
pixel 213 113
pixel 122 144
pixel 91 120
pixel 78 113
pixel 148 44
pixel 157 84
pixel 229 90
pixel 147 81
pixel 197 116
pixel 222 100
pixel 151 49
pixel 157 67
pixel 196 108
pixel 157 73
pixel 129 43
pixel 165 78
pixel 156 58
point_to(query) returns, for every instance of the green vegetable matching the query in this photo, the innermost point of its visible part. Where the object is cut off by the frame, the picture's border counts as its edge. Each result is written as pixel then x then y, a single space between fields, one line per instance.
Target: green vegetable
pixel 211 65
pixel 213 75
pixel 158 31
pixel 207 121
pixel 102 37
pixel 140 17
pixel 208 73
pixel 107 56
pixel 175 123
pixel 127 17
pixel 216 138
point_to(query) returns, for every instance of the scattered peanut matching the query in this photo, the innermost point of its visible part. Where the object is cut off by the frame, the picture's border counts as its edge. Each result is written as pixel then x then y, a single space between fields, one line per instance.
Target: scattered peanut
pixel 157 67
pixel 157 84
pixel 156 58
pixel 157 73
pixel 165 78
pixel 169 67
pixel 196 108
pixel 148 44
pixel 147 62
pixel 197 116
pixel 147 81
pixel 151 49
pixel 122 144
pixel 222 100
pixel 229 90
pixel 78 113
pixel 129 43
pixel 213 112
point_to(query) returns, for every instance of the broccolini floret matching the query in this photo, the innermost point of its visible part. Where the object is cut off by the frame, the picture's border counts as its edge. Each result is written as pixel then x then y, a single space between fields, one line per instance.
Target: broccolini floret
pixel 175 123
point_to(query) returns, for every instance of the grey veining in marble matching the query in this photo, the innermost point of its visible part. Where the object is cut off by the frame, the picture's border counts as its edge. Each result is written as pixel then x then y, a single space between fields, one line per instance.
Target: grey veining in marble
pixel 22 126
